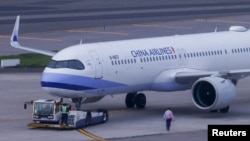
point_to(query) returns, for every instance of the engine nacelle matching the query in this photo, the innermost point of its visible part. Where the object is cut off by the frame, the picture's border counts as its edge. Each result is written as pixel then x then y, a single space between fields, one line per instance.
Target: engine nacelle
pixel 212 93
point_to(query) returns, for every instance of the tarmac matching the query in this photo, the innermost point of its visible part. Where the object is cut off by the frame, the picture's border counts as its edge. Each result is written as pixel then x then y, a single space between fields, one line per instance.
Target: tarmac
pixel 124 124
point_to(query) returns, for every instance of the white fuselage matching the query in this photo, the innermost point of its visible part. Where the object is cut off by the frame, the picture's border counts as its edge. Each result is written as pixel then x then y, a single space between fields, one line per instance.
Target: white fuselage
pixel 144 64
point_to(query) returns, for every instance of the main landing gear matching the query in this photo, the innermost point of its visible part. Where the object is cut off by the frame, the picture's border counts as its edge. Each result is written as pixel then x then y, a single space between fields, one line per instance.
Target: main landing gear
pixel 133 99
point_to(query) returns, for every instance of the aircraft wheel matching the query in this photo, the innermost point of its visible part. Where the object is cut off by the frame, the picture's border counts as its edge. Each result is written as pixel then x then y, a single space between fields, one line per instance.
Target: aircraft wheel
pixel 140 101
pixel 130 100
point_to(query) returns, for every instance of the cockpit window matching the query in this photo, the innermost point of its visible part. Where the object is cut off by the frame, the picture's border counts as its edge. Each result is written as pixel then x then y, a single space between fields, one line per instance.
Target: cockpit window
pixel 71 64
pixel 75 64
pixel 61 64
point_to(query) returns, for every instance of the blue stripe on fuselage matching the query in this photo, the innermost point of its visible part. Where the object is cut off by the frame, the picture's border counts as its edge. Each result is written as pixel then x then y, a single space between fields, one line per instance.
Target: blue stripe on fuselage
pixel 75 82
pixel 65 86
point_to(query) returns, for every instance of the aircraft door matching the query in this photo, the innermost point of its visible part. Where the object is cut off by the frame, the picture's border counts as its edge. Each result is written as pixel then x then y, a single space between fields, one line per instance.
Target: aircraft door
pixel 98 64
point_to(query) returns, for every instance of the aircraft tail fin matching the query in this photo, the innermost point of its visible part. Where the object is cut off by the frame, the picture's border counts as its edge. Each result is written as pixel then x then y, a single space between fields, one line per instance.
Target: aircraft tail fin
pixel 14 36
pixel 14 41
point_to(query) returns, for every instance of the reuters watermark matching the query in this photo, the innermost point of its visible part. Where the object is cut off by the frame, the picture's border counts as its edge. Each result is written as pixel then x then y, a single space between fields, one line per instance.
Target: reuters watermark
pixel 241 132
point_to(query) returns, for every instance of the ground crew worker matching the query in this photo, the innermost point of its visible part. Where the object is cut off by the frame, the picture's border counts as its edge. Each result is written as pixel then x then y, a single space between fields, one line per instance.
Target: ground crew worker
pixel 65 111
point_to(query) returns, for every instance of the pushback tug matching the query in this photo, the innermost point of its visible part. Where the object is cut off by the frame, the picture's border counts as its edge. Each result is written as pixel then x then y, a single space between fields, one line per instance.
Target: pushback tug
pixel 47 113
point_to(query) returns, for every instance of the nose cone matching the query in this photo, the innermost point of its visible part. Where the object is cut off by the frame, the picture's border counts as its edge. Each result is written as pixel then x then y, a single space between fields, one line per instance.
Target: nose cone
pixel 55 84
pixel 58 82
pixel 61 85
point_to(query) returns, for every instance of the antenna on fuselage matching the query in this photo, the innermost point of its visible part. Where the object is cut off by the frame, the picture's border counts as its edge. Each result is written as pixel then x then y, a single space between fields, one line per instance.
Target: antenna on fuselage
pixel 215 30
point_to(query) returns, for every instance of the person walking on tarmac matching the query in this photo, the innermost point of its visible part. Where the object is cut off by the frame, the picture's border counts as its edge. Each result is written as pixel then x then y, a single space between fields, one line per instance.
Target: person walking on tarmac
pixel 65 111
pixel 168 117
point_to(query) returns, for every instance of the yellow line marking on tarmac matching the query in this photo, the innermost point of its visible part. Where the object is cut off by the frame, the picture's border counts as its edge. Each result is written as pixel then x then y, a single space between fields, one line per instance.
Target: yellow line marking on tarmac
pixel 104 32
pixel 222 21
pixel 91 135
pixel 159 26
pixel 43 39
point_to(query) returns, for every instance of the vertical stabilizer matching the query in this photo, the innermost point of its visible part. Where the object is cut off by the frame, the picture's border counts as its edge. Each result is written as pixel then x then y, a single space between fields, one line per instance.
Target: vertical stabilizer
pixel 14 36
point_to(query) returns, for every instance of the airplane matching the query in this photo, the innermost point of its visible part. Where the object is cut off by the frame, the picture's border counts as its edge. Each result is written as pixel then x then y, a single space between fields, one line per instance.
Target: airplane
pixel 208 64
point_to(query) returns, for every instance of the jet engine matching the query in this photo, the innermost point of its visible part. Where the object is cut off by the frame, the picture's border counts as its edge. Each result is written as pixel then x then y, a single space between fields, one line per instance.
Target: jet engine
pixel 212 93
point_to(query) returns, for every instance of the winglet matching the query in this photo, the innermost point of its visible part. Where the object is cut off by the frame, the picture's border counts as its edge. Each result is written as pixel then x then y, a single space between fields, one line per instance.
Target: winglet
pixel 14 41
pixel 14 36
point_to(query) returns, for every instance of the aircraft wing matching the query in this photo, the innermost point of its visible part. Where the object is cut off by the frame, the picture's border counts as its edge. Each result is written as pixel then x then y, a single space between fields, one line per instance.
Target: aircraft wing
pixel 14 41
pixel 186 77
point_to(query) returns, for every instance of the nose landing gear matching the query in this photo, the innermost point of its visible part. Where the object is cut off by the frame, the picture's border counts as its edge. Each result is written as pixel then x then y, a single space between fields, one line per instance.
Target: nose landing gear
pixel 78 102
